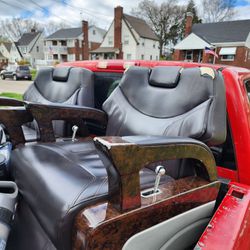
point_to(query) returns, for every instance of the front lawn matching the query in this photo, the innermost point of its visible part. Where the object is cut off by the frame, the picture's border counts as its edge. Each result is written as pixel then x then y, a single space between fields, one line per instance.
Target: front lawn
pixel 12 95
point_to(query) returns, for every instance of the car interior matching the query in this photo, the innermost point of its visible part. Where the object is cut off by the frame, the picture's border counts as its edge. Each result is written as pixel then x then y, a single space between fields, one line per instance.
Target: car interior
pixel 58 176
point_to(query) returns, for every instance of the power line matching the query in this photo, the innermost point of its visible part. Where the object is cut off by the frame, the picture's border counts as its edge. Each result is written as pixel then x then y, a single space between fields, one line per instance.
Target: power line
pixel 44 9
pixel 9 4
pixel 87 11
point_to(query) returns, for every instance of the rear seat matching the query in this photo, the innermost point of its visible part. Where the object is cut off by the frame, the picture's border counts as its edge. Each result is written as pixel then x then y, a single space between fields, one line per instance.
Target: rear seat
pixel 65 85
pixel 57 180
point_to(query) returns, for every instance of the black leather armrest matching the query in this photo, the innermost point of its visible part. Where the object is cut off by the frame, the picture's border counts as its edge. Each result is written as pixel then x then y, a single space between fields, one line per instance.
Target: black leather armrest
pixel 131 153
pixel 44 114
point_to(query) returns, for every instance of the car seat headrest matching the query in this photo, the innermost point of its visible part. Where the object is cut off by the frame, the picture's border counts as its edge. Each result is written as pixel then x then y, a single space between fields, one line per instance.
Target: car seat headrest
pixel 165 77
pixel 61 74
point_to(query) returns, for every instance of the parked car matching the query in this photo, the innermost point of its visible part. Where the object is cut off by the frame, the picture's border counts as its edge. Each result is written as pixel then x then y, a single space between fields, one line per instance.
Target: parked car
pixel 16 72
pixel 79 193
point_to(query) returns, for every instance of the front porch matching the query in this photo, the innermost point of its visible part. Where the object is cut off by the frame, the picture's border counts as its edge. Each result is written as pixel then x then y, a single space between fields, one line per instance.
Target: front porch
pixel 193 55
pixel 104 53
pixel 191 49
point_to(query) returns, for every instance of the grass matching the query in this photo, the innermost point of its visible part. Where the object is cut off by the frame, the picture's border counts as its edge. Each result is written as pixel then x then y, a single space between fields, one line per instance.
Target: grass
pixel 12 95
pixel 33 73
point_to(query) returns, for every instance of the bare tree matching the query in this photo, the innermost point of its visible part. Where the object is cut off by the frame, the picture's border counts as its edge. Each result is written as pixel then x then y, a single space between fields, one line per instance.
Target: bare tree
pixel 218 10
pixel 52 27
pixel 165 20
pixel 14 28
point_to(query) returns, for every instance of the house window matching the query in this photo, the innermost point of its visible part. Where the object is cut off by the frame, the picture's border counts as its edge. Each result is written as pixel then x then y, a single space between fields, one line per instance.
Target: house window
pixel 70 43
pixel 71 57
pixel 24 50
pixel 227 58
pixel 154 45
pixel 129 56
pixel 151 57
pixel 227 54
pixel 37 49
pixel 126 40
pixel 156 57
pixel 55 57
pixel 54 43
pixel 189 55
pixel 63 43
pixel 93 32
pixel 142 57
pixel 110 40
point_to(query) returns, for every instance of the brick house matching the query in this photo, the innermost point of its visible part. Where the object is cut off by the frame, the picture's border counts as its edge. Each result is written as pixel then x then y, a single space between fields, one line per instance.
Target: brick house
pixel 128 37
pixel 30 46
pixel 230 40
pixel 70 44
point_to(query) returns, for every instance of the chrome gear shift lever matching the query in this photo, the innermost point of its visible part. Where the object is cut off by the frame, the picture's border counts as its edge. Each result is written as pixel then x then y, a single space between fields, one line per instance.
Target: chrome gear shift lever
pixel 160 171
pixel 74 129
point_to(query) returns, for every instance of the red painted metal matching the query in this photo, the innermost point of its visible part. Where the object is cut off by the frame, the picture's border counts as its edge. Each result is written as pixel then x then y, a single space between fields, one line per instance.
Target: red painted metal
pixel 230 225
pixel 227 173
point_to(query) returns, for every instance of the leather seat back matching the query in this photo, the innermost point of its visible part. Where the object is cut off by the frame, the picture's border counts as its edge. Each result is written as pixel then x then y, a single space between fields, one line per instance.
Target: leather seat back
pixel 171 101
pixel 65 85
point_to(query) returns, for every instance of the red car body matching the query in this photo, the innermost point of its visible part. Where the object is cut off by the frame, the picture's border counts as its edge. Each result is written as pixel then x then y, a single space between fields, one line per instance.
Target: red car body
pixel 230 225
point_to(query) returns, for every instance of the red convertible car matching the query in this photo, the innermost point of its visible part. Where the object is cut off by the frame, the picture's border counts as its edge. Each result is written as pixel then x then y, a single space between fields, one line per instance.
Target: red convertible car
pixel 128 155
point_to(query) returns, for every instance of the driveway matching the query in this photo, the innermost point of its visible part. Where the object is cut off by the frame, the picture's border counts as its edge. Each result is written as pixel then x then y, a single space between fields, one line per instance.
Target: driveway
pixel 14 86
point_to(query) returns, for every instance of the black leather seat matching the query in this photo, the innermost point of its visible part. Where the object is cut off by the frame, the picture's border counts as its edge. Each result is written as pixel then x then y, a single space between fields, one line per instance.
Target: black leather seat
pixel 56 180
pixel 65 85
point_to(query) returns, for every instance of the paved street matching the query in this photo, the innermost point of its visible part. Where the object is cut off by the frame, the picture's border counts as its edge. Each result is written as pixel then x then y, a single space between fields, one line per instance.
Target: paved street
pixel 14 86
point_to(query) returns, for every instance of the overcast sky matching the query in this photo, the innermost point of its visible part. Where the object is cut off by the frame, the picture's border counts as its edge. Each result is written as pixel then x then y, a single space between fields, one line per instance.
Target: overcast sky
pixel 71 11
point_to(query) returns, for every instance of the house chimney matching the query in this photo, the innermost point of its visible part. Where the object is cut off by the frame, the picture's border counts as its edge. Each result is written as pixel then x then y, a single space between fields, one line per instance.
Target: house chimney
pixel 118 13
pixel 85 44
pixel 189 22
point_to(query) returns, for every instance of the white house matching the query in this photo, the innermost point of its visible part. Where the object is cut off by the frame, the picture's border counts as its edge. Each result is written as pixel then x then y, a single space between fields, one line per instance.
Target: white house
pixel 129 38
pixel 69 44
pixel 30 45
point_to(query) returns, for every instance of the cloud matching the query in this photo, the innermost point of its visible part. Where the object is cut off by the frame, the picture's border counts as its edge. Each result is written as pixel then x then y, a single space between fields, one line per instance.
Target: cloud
pixel 242 12
pixel 71 12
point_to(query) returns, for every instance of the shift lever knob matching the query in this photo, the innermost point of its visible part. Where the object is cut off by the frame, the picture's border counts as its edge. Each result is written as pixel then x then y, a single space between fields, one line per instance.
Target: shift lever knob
pixel 160 171
pixel 74 129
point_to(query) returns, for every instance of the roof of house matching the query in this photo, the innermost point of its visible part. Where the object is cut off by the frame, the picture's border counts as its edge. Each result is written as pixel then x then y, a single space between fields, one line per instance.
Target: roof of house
pixel 7 46
pixel 27 38
pixel 100 30
pixel 222 32
pixel 141 27
pixel 66 33
pixel 71 33
pixel 105 50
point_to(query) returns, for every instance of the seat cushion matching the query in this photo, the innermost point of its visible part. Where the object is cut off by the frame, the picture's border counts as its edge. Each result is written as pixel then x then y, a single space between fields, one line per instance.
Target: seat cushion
pixel 58 179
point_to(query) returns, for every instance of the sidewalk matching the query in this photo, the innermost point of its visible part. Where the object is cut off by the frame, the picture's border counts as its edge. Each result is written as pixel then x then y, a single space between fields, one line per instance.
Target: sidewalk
pixel 14 86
